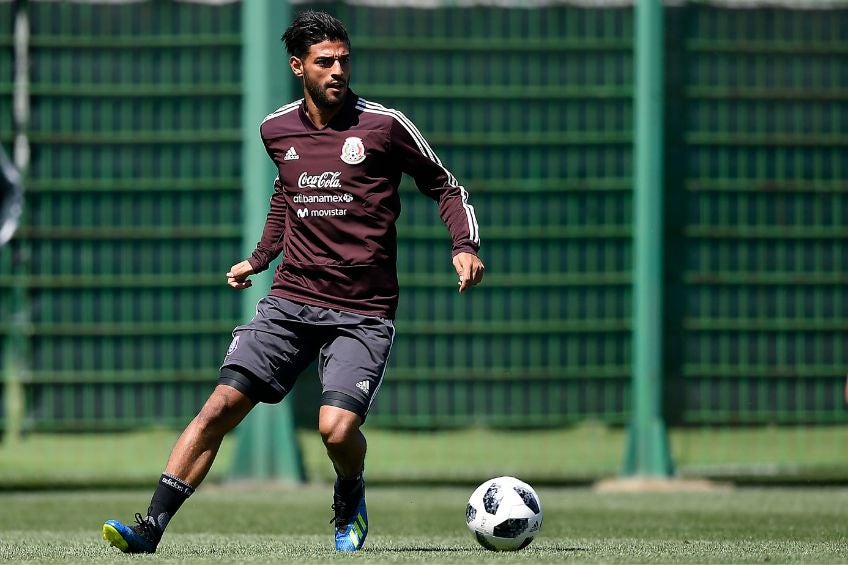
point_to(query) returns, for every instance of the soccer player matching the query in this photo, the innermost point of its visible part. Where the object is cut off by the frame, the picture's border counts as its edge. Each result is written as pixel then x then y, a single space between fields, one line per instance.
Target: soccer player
pixel 332 215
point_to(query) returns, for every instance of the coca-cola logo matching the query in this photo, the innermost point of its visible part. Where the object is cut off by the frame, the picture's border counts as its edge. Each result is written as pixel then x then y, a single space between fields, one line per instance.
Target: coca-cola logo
pixel 327 179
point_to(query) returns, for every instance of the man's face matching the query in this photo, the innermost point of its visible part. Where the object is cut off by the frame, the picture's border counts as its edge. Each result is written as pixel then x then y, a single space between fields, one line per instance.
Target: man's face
pixel 325 71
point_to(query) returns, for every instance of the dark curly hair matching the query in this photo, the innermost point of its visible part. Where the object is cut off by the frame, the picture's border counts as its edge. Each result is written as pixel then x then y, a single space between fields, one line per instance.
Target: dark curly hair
pixel 311 27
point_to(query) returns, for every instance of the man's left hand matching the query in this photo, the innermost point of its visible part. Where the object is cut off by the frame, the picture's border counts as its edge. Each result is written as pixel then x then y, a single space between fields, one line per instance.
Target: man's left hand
pixel 470 269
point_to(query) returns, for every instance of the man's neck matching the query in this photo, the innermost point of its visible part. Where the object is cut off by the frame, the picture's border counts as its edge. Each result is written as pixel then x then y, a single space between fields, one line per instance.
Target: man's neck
pixel 320 116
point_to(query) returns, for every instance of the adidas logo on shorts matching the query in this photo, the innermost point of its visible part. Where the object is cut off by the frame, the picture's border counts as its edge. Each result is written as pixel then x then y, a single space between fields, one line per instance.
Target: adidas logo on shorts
pixel 363 386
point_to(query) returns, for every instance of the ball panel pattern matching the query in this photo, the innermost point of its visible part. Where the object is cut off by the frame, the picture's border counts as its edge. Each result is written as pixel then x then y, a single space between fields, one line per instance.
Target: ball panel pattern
pixel 491 500
pixel 528 498
pixel 504 514
pixel 510 528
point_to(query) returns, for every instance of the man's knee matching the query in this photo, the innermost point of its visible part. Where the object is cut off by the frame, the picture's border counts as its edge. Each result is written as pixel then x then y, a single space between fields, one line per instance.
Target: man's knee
pixel 337 425
pixel 224 408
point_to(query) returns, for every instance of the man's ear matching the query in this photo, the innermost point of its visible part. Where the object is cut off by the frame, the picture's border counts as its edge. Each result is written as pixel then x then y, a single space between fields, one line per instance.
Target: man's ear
pixel 296 66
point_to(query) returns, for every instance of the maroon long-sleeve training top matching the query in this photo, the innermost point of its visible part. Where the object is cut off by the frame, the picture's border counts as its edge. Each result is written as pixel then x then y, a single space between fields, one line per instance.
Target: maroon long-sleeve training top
pixel 336 201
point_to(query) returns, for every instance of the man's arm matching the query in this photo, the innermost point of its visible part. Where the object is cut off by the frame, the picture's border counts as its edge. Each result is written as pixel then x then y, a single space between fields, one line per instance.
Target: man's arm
pixel 419 160
pixel 268 247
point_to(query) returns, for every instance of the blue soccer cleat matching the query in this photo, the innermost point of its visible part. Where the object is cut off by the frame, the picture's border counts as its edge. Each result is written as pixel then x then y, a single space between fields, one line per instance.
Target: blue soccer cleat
pixel 143 537
pixel 351 526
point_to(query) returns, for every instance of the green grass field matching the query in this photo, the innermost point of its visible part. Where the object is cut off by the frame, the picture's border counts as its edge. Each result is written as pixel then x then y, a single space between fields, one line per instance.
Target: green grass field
pixel 416 517
pixel 566 455
pixel 426 525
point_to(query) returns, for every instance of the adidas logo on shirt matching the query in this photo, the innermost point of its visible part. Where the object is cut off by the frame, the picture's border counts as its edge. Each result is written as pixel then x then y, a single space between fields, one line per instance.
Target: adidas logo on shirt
pixel 363 386
pixel 291 154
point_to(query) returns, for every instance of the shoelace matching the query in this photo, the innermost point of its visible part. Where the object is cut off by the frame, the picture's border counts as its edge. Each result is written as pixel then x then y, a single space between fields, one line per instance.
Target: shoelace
pixel 146 529
pixel 344 506
pixel 340 514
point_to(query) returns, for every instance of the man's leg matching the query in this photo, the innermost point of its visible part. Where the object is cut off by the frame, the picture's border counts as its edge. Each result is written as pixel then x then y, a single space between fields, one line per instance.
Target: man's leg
pixel 345 443
pixel 190 461
pixel 351 364
pixel 346 447
pixel 195 450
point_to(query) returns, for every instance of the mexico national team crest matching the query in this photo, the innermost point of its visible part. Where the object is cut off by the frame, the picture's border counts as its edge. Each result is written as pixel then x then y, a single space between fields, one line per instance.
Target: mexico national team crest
pixel 353 151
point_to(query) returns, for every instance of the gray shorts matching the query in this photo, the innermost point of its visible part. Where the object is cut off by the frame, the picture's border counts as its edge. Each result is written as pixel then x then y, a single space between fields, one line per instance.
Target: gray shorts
pixel 268 354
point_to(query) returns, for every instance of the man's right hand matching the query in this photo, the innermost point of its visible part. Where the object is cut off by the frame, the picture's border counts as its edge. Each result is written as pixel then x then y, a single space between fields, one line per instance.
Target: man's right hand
pixel 237 276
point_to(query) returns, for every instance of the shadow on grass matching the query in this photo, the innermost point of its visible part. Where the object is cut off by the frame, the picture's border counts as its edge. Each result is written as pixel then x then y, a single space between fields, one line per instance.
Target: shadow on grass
pixel 403 549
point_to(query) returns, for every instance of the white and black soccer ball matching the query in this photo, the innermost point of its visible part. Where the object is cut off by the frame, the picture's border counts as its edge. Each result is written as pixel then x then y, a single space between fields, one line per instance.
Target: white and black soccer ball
pixel 504 514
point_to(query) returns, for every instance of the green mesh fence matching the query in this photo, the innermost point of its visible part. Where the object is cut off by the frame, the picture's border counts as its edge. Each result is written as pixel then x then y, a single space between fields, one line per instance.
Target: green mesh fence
pixel 134 213
pixel 762 175
pixel 758 173
pixel 133 210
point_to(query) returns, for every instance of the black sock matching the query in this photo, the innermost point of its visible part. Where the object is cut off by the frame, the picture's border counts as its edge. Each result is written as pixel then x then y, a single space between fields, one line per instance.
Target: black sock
pixel 349 487
pixel 170 494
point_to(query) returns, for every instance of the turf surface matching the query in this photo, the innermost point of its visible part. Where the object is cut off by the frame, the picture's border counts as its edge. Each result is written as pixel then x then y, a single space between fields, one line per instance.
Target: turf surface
pixel 425 525
pixel 578 453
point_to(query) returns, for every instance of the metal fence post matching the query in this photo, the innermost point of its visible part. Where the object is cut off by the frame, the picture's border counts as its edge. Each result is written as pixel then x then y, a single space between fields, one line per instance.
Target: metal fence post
pixel 267 443
pixel 647 446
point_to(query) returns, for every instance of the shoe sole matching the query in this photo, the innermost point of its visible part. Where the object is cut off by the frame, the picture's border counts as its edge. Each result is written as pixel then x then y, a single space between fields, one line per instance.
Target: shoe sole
pixel 114 537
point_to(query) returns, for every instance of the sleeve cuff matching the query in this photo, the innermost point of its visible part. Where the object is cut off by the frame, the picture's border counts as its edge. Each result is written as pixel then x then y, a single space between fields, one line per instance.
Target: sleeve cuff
pixel 465 248
pixel 256 263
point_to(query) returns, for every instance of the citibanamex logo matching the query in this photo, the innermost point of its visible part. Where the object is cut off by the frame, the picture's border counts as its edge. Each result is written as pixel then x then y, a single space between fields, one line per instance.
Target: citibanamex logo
pixel 327 179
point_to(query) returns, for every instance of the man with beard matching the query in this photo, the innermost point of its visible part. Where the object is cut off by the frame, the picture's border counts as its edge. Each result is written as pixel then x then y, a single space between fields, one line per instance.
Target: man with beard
pixel 340 159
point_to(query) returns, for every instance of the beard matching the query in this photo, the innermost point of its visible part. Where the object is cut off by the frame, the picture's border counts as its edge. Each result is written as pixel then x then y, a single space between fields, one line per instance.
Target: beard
pixel 320 97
